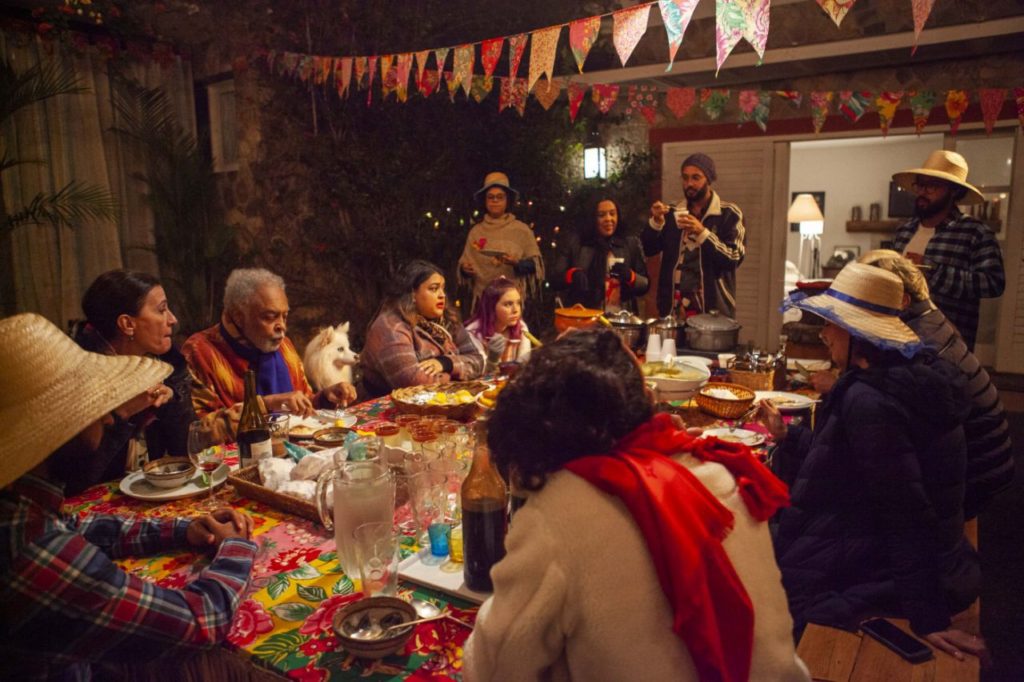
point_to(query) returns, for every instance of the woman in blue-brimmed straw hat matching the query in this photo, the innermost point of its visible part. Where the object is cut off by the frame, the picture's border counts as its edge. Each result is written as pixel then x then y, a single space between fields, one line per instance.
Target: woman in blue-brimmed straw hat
pixel 876 522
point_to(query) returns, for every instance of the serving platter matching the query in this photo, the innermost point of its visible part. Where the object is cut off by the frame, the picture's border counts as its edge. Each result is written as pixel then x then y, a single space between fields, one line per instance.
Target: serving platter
pixel 785 401
pixel 744 436
pixel 135 485
pixel 445 576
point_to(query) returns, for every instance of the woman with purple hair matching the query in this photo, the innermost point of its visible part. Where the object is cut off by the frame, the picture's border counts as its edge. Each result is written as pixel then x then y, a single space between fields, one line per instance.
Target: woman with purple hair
pixel 497 327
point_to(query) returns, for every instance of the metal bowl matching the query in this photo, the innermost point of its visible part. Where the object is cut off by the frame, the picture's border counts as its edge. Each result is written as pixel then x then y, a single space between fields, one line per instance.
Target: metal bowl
pixel 169 472
pixel 352 623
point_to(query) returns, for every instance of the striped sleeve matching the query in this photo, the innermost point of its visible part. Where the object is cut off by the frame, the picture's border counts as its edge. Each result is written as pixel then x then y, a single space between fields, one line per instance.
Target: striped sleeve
pixel 967 267
pixel 120 536
pixel 726 246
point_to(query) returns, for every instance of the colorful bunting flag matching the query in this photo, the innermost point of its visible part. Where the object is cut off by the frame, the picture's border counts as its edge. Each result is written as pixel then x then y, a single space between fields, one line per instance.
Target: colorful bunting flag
pixel 921 8
pixel 957 102
pixel 542 54
pixel 1018 95
pixel 513 94
pixel 794 97
pixel 490 53
pixel 421 63
pixel 441 55
pixel 306 66
pixel 428 82
pixel 886 104
pixel 821 103
pixel 385 66
pixel 991 104
pixel 836 9
pixel 343 75
pixel 680 100
pixel 713 102
pixel 755 105
pixel 735 19
pixel 628 26
pixel 388 82
pixel 676 15
pixel 582 34
pixel 290 63
pixel 576 92
pixel 359 66
pixel 642 100
pixel 463 66
pixel 516 45
pixel 604 96
pixel 453 84
pixel 853 104
pixel 547 96
pixel 921 105
pixel 482 86
pixel 371 69
pixel 326 68
pixel 403 67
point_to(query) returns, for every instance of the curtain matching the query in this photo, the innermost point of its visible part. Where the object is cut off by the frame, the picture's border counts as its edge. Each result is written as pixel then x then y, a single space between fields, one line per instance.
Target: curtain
pixel 70 137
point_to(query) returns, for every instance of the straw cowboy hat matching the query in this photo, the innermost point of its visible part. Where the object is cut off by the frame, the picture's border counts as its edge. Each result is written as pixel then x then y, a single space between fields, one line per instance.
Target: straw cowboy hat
pixel 496 179
pixel 52 389
pixel 944 165
pixel 865 301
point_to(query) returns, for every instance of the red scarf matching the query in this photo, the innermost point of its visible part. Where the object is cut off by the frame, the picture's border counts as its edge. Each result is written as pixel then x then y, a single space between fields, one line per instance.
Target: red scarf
pixel 684 524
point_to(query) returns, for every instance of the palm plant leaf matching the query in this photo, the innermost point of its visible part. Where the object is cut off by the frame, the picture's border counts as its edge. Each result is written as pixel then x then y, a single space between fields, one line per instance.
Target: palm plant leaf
pixel 40 82
pixel 70 205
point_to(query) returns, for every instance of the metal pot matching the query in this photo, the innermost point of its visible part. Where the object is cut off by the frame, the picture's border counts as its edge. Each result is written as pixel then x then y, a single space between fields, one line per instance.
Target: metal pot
pixel 578 317
pixel 630 328
pixel 668 328
pixel 712 332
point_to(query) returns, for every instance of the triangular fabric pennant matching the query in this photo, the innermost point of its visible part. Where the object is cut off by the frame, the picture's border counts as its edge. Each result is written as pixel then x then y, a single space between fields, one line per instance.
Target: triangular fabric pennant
pixel 676 15
pixel 441 55
pixel 628 27
pixel 582 35
pixel 713 102
pixel 421 63
pixel 359 67
pixel 680 100
pixel 957 102
pixel 306 66
pixel 513 94
pixel 604 96
pixel 922 9
pixel 642 99
pixel 836 9
pixel 371 68
pixel 343 75
pixel 886 103
pixel 853 104
pixel 326 68
pixel 1018 96
pixel 735 19
pixel 794 97
pixel 755 105
pixel 482 86
pixel 543 45
pixel 991 104
pixel 575 92
pixel 921 105
pixel 453 84
pixel 403 67
pixel 490 53
pixel 387 85
pixel 428 81
pixel 516 45
pixel 821 103
pixel 463 66
pixel 547 96
pixel 290 63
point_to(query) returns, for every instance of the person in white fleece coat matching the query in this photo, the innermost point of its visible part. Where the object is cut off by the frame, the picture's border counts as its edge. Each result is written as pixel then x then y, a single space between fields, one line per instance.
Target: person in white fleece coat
pixel 577 596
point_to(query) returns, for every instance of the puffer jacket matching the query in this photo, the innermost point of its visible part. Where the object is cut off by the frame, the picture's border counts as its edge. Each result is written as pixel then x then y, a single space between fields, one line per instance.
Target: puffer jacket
pixel 876 522
pixel 989 450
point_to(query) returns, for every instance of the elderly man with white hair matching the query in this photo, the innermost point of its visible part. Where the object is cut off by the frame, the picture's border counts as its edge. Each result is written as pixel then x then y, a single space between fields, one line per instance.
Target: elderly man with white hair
pixel 251 335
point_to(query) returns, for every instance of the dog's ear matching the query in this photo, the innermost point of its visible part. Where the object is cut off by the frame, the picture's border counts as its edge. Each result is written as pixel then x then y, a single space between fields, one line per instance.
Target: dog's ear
pixel 325 336
pixel 343 328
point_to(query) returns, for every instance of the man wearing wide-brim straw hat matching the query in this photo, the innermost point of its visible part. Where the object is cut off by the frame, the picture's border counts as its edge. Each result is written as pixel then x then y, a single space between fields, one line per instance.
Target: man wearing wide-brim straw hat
pixel 959 254
pixel 65 603
pixel 875 525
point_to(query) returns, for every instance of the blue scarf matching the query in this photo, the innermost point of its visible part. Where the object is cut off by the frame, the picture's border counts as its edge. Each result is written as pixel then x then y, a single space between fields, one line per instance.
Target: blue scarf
pixel 272 375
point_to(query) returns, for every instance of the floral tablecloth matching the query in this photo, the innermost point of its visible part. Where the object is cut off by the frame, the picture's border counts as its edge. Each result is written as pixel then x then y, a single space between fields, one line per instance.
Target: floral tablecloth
pixel 284 621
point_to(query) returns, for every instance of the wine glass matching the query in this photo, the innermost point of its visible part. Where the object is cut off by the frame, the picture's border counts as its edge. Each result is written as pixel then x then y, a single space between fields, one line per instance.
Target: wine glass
pixel 204 453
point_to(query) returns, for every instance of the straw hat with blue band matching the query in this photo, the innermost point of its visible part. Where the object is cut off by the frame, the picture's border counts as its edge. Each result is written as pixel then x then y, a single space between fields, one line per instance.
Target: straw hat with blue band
pixel 865 301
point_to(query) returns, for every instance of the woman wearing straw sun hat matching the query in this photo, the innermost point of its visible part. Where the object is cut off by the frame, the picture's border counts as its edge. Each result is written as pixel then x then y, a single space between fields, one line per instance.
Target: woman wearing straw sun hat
pixel 65 603
pixel 877 488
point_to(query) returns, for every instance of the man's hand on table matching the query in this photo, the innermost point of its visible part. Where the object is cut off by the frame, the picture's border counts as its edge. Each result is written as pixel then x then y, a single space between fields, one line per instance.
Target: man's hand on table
pixel 341 393
pixel 296 402
pixel 770 416
pixel 209 530
pixel 957 642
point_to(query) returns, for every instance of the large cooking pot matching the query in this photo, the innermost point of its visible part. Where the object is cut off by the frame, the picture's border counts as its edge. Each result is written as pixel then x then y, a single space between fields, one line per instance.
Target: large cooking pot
pixel 578 317
pixel 712 331
pixel 669 328
pixel 629 327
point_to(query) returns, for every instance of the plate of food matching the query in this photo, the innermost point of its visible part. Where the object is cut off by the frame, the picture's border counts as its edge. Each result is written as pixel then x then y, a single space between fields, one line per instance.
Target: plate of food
pixel 744 436
pixel 487 399
pixel 338 418
pixel 135 485
pixel 784 401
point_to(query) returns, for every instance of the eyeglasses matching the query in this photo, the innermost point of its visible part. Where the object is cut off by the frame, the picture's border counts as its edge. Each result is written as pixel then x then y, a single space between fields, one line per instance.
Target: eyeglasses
pixel 931 187
pixel 496 197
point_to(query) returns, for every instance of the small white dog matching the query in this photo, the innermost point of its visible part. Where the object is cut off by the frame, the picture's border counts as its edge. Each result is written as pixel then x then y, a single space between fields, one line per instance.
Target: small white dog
pixel 329 358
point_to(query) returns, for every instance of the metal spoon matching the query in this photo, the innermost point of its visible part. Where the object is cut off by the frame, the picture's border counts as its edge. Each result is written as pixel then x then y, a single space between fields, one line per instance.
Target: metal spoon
pixel 424 608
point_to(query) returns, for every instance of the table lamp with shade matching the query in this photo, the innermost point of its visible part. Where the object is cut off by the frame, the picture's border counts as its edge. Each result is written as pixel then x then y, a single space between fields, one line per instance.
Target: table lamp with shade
pixel 805 211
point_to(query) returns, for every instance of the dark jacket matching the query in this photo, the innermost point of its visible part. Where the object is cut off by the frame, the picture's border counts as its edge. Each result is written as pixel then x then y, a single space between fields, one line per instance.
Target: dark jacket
pixel 165 428
pixel 876 522
pixel 589 254
pixel 719 256
pixel 989 450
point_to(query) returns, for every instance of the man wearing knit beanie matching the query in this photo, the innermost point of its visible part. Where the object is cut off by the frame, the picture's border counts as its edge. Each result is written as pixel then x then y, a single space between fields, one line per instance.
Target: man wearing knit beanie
pixel 701 246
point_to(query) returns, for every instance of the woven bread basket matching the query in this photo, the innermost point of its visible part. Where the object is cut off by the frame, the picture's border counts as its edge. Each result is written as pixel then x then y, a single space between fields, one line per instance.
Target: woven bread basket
pixel 720 407
pixel 247 484
pixel 406 399
pixel 755 381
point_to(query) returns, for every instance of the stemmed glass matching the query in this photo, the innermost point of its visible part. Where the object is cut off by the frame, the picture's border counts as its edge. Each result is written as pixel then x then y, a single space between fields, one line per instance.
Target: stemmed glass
pixel 206 455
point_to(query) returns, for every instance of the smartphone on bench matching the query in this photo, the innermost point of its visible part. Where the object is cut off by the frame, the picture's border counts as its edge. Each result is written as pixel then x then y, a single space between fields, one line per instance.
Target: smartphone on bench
pixel 910 648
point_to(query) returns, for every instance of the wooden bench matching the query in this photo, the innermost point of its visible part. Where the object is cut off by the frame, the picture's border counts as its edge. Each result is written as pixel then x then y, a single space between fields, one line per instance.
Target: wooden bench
pixel 840 656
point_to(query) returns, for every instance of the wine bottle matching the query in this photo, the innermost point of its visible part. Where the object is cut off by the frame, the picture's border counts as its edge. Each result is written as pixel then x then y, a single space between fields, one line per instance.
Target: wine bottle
pixel 484 516
pixel 253 431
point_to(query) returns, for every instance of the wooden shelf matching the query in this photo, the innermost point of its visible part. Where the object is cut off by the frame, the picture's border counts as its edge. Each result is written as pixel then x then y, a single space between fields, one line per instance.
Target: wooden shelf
pixel 873 225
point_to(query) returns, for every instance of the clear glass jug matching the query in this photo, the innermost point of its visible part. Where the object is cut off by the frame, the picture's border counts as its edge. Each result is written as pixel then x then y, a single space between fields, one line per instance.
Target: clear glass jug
pixel 363 492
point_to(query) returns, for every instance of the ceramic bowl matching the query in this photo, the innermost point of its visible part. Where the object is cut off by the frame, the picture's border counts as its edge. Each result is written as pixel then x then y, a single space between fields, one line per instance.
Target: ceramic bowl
pixel 330 438
pixel 169 472
pixel 684 387
pixel 374 612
